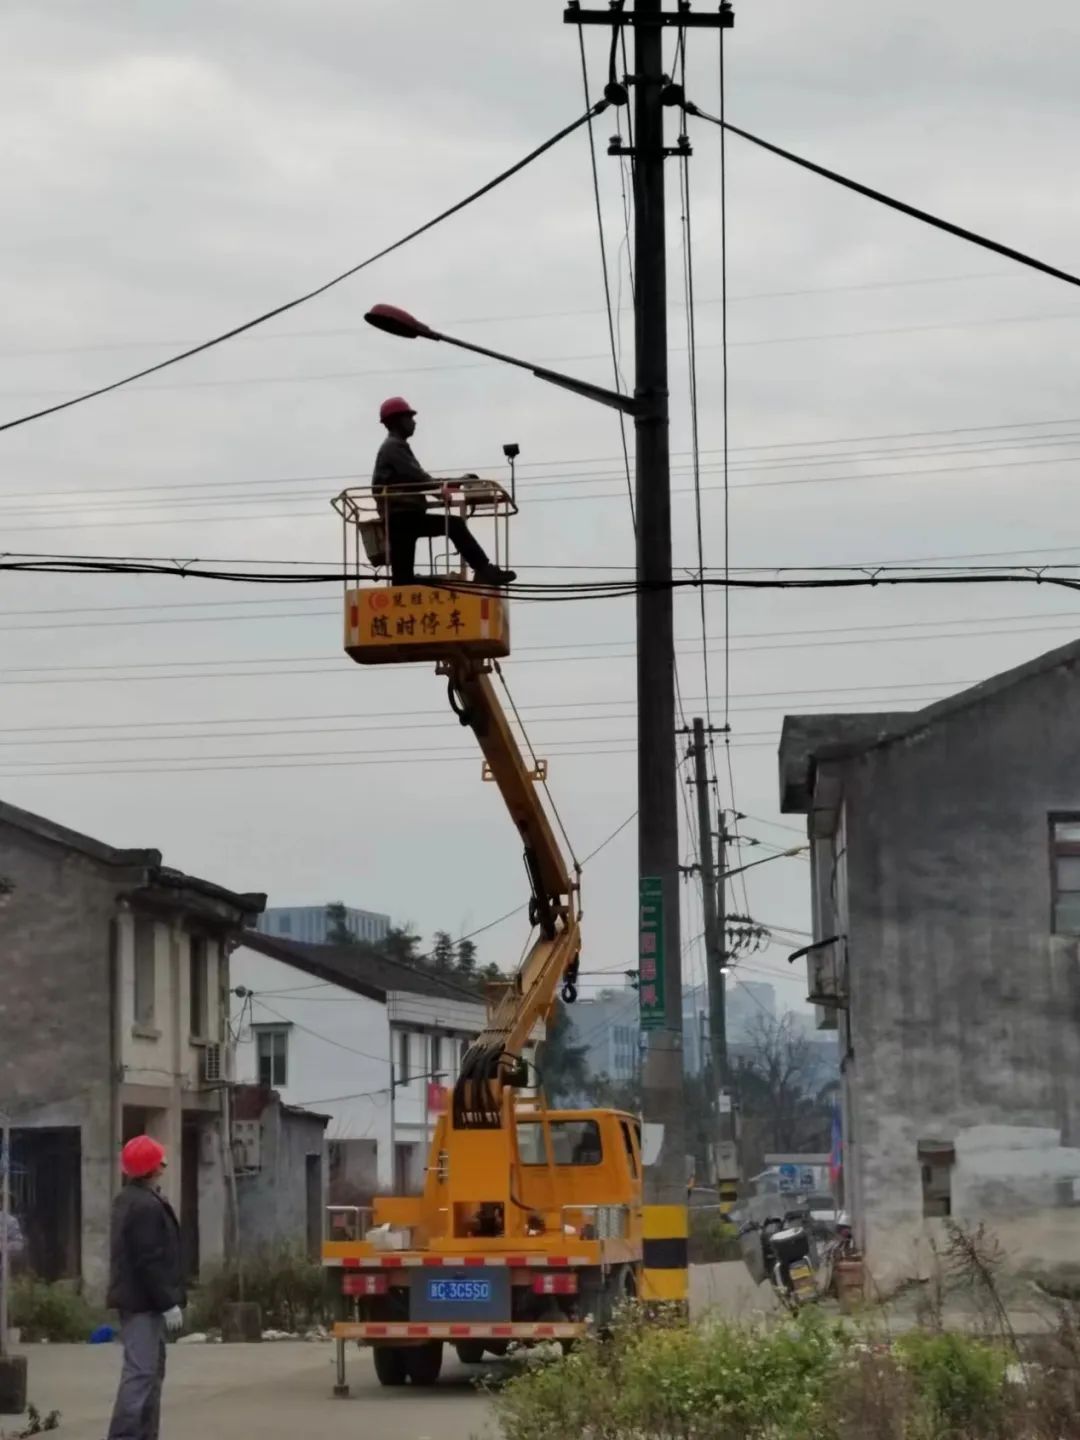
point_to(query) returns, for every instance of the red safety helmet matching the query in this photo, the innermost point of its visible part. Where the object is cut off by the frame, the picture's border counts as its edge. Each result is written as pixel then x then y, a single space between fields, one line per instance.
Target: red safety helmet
pixel 396 405
pixel 141 1157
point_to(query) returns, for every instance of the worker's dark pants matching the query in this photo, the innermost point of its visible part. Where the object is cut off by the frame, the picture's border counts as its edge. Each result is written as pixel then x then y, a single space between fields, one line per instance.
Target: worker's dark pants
pixel 407 526
pixel 137 1413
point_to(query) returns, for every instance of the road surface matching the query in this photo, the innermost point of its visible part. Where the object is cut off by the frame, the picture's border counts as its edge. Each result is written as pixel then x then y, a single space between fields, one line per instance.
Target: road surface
pixel 277 1391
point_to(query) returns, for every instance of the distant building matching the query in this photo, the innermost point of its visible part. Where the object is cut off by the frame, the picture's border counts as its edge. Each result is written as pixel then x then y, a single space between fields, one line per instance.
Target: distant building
pixel 945 874
pixel 308 923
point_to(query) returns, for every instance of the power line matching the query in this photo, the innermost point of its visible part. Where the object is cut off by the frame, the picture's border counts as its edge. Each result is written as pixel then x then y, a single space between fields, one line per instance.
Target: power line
pixel 347 330
pixel 893 204
pixel 204 345
pixel 607 281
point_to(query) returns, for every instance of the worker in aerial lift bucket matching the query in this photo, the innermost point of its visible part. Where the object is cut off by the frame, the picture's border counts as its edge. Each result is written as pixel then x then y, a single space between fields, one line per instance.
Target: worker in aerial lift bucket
pixel 401 486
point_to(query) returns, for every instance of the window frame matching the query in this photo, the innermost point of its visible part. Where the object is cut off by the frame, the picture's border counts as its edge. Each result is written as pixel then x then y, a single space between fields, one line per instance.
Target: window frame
pixel 144 971
pixel 199 968
pixel 1061 850
pixel 548 1128
pixel 272 1033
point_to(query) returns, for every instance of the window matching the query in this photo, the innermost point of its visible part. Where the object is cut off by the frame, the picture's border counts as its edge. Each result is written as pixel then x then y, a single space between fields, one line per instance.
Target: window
pixel 574 1142
pixel 271 1049
pixel 630 1153
pixel 197 987
pixel 936 1159
pixel 404 1073
pixel 284 924
pixel 436 1058
pixel 145 964
pixel 1065 873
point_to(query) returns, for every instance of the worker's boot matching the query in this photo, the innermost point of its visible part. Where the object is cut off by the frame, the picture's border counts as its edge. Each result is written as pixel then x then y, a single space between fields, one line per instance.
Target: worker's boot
pixel 495 575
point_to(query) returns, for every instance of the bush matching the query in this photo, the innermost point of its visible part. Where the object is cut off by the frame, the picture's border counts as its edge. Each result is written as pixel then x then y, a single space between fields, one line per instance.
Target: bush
pixel 290 1290
pixel 703 1382
pixel 54 1312
pixel 960 1382
pixel 806 1379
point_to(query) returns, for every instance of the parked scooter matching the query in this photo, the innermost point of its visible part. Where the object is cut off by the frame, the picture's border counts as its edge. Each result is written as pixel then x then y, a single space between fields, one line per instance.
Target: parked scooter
pixel 795 1253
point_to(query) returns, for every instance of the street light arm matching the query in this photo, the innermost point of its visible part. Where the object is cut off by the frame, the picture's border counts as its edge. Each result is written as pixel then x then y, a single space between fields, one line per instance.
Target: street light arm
pixel 784 855
pixel 400 323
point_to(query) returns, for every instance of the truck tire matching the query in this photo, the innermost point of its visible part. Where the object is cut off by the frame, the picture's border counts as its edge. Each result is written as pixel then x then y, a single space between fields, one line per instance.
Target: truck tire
pixel 390 1364
pixel 424 1362
pixel 470 1352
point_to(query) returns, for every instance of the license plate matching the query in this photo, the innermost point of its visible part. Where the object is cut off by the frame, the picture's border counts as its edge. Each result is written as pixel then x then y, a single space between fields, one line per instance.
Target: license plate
pixel 459 1292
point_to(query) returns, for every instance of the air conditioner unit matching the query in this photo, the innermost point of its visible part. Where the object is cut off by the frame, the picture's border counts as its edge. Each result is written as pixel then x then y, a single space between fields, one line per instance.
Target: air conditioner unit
pixel 212 1068
pixel 247 1145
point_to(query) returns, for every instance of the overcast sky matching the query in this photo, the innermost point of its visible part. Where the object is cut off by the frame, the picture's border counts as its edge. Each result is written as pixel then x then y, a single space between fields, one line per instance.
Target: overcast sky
pixel 171 170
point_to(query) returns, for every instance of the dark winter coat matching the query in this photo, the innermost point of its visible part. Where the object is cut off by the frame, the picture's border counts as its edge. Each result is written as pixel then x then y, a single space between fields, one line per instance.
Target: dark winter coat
pixel 146 1273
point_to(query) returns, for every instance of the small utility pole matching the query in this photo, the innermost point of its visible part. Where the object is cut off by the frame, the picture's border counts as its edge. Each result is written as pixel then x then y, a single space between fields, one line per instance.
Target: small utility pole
pixel 712 903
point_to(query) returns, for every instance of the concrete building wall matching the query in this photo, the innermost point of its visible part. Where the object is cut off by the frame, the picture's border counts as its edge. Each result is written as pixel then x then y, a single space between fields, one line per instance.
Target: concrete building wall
pixel 964 1008
pixel 56 1018
pixel 274 1200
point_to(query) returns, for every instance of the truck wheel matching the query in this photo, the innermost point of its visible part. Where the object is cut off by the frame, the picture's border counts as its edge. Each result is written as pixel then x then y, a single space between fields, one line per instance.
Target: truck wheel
pixel 424 1363
pixel 390 1366
pixel 470 1352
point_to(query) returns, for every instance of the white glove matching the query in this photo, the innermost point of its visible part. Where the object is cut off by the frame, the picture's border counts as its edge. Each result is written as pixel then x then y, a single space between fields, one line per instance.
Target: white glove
pixel 174 1319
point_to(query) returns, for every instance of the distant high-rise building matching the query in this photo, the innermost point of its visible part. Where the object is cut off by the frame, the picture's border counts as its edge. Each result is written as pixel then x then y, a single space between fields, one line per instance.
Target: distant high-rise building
pixel 309 923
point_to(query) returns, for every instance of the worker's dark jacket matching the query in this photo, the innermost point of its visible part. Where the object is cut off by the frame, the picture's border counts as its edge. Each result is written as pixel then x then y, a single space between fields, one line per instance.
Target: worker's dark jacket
pixel 146 1273
pixel 399 477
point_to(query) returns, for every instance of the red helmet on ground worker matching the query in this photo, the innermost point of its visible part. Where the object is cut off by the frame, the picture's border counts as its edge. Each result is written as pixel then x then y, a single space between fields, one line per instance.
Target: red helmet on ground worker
pixel 396 405
pixel 141 1157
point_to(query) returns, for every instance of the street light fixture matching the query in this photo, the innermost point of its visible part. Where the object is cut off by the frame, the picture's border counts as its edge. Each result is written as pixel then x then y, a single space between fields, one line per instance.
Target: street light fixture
pixel 394 321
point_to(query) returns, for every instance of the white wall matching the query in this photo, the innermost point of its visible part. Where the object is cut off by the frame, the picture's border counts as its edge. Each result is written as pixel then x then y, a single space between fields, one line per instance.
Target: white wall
pixel 341 1047
pixel 338 1047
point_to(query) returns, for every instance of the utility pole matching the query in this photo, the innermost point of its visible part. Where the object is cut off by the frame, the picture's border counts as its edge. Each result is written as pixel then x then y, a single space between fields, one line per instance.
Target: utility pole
pixel 712 897
pixel 659 949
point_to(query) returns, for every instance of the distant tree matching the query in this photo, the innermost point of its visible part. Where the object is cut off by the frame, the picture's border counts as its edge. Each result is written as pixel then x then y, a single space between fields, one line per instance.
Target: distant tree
pixel 442 954
pixel 401 943
pixel 337 925
pixel 466 958
pixel 782 1104
pixel 563 1067
pixel 609 1094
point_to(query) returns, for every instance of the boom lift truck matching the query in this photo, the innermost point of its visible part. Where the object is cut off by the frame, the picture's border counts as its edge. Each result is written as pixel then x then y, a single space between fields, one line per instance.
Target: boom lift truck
pixel 529 1225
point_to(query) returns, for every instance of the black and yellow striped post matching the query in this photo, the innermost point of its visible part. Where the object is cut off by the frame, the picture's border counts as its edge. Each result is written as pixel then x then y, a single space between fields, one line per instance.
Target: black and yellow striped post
pixel 665 1254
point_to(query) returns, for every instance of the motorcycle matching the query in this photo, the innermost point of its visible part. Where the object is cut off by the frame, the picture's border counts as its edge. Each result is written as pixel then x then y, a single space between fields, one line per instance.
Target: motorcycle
pixel 796 1254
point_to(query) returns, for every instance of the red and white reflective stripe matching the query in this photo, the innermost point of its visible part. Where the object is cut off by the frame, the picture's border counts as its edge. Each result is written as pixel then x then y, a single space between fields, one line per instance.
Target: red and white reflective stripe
pixel 519 1330
pixel 407 1262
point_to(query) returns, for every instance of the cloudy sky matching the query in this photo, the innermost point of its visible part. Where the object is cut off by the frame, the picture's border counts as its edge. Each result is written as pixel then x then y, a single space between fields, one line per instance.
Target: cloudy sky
pixel 171 170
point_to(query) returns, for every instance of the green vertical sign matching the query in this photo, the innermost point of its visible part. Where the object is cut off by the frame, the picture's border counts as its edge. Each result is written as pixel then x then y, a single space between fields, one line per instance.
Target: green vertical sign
pixel 651 952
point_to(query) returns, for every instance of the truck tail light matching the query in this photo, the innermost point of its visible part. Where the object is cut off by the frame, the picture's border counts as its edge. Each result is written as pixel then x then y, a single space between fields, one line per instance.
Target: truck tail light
pixel 364 1284
pixel 556 1282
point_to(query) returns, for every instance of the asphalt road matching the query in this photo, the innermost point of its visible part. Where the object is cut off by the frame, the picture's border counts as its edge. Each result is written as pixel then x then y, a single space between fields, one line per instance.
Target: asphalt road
pixel 274 1390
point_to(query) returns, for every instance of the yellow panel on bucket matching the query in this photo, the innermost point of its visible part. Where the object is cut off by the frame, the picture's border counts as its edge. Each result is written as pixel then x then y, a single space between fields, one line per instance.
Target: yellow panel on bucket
pixel 385 624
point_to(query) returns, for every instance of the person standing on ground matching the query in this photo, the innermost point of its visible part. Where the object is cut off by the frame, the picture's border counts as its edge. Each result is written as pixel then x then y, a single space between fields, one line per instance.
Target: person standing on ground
pixel 146 1287
pixel 401 486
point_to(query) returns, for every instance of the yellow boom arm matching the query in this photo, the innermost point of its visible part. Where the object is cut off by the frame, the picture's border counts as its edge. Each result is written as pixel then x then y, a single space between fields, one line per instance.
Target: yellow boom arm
pixel 493 1059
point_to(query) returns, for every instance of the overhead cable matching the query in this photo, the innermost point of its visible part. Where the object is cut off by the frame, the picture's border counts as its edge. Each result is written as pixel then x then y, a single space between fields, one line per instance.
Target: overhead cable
pixel 215 340
pixel 913 211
